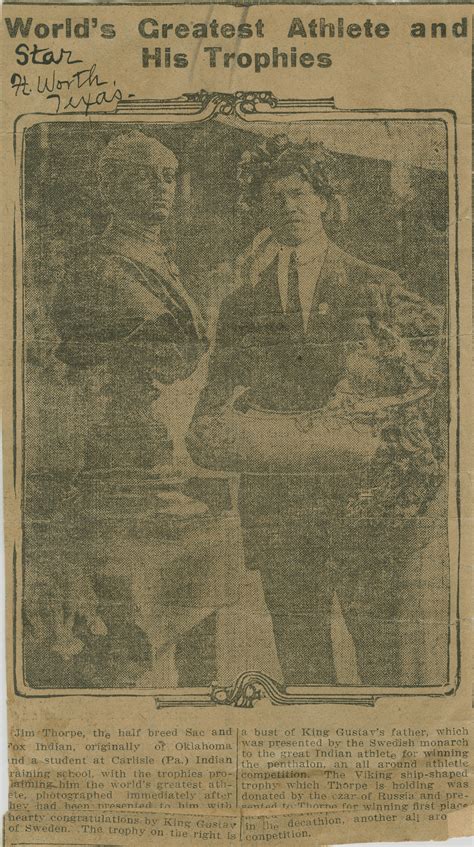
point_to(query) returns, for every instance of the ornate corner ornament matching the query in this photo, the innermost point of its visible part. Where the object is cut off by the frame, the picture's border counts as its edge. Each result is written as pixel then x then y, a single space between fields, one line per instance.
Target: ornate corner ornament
pixel 247 102
pixel 207 104
pixel 252 686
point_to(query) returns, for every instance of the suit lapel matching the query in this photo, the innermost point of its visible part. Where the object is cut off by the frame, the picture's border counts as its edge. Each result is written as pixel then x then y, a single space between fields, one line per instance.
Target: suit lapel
pixel 267 300
pixel 266 289
pixel 330 293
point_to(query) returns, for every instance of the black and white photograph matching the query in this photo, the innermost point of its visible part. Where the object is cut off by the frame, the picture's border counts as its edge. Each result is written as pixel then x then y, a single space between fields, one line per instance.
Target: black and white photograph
pixel 238 426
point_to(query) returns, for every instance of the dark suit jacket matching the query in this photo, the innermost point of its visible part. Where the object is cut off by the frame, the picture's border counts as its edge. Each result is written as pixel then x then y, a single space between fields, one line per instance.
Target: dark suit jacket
pixel 255 349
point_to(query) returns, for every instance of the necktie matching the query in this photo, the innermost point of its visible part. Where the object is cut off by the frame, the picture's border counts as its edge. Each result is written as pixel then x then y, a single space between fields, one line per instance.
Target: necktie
pixel 293 303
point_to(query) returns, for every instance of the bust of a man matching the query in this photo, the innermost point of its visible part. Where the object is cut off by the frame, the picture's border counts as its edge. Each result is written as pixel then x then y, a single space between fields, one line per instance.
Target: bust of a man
pixel 125 318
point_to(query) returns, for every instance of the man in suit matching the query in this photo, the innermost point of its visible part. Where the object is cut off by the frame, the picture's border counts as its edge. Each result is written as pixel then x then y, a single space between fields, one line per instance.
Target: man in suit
pixel 304 322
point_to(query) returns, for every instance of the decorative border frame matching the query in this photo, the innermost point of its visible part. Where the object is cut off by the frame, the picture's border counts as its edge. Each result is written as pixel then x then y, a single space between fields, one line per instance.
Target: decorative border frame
pixel 249 106
pixel 208 104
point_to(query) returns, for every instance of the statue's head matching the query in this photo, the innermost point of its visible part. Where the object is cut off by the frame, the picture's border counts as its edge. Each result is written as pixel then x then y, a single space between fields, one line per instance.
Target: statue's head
pixel 138 177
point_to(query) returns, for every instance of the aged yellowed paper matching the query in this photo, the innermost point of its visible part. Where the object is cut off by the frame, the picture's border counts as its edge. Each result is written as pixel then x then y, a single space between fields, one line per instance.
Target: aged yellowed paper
pixel 236 346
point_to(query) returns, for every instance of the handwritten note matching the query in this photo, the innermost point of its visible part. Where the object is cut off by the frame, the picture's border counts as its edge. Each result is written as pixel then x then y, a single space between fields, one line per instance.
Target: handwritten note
pixel 74 91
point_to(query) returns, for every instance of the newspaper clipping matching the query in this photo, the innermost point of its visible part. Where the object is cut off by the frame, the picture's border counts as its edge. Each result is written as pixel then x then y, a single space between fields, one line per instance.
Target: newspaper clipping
pixel 236 332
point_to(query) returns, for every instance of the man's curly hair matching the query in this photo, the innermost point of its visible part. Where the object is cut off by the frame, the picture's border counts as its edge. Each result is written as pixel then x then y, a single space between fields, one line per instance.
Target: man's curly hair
pixel 279 157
